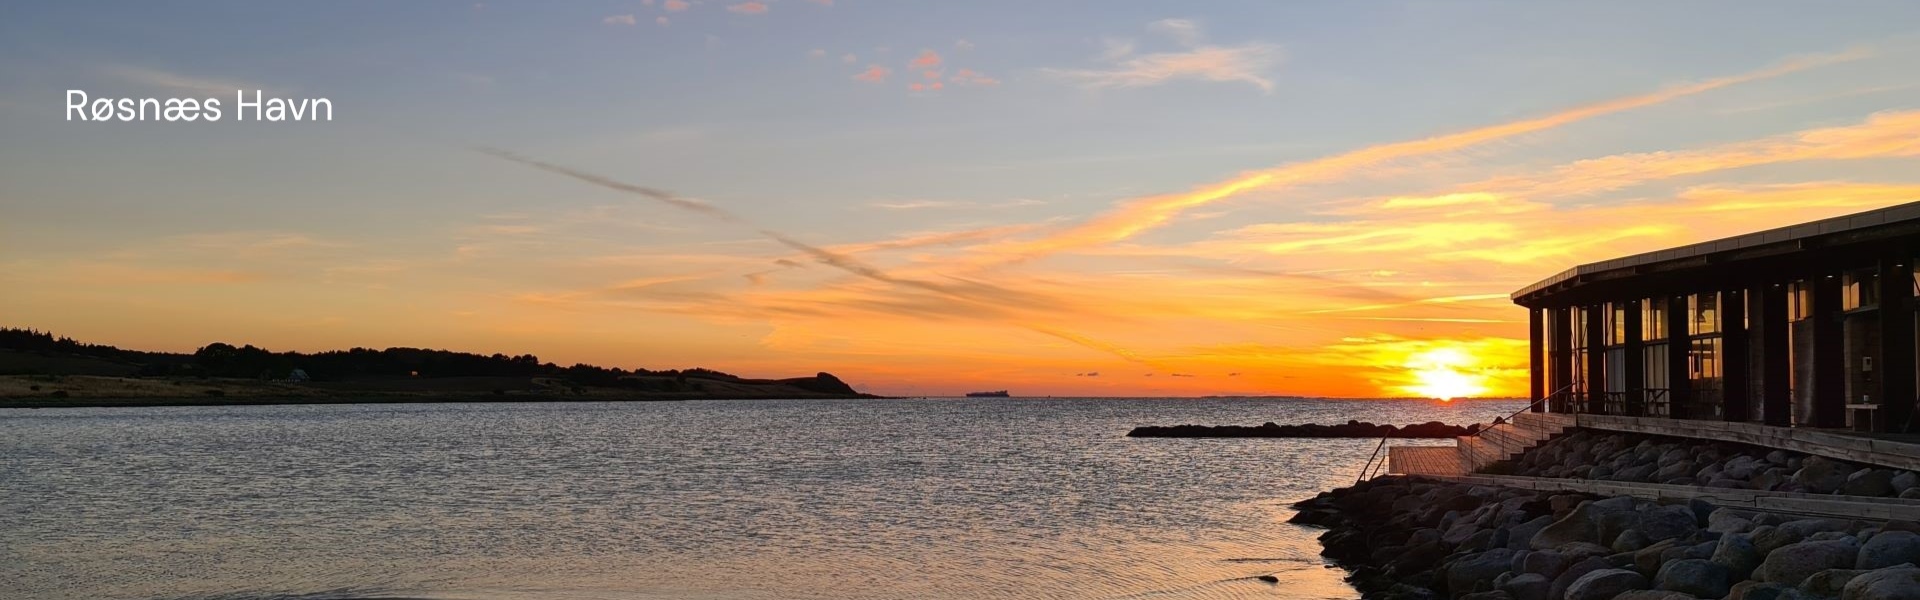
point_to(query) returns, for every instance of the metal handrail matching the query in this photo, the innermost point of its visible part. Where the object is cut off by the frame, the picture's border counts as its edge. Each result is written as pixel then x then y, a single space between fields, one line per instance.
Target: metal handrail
pixel 1382 465
pixel 1474 465
pixel 1369 466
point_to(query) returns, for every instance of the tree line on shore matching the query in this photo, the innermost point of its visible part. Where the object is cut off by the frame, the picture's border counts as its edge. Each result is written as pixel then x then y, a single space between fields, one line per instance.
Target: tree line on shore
pixel 221 359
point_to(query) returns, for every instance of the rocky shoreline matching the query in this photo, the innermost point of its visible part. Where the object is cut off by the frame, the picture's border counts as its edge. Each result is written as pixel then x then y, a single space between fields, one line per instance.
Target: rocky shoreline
pixel 1350 429
pixel 1410 538
pixel 1612 456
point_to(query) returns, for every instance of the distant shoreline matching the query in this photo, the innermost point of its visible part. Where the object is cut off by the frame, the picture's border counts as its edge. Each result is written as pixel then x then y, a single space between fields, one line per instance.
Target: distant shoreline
pixel 50 402
pixel 84 391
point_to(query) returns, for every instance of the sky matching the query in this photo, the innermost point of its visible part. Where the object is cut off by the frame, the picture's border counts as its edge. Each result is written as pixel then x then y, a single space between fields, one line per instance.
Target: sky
pixel 925 198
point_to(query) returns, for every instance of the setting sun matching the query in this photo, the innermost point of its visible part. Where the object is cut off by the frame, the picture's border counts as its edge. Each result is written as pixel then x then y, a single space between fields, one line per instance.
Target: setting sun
pixel 1445 374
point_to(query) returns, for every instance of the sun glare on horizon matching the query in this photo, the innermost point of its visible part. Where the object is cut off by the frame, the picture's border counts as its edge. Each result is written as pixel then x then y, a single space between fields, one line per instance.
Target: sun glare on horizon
pixel 1445 374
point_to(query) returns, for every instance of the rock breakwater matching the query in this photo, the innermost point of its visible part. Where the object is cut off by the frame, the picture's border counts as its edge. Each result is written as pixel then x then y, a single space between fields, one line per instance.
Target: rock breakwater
pixel 1408 538
pixel 1611 456
pixel 1350 429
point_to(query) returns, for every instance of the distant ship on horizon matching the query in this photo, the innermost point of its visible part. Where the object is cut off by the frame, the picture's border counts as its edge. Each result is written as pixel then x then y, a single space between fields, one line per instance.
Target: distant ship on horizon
pixel 994 394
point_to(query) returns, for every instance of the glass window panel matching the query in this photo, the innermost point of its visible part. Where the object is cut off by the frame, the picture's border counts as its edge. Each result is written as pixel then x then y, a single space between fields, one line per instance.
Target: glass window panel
pixel 1617 323
pixel 1579 336
pixel 1705 309
pixel 1653 319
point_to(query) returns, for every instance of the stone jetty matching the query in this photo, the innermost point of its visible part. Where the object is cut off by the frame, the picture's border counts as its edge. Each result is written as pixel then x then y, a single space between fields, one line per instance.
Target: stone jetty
pixel 1410 538
pixel 1350 429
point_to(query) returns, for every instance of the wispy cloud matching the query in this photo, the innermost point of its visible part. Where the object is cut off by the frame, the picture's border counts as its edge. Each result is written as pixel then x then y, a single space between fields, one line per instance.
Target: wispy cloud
pixel 1143 214
pixel 176 81
pixel 748 8
pixel 980 298
pixel 1247 63
pixel 954 204
pixel 972 77
pixel 1186 32
pixel 627 20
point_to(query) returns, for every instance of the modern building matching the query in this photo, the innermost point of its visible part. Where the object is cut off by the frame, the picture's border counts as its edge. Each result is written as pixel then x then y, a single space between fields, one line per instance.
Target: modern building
pixel 1811 325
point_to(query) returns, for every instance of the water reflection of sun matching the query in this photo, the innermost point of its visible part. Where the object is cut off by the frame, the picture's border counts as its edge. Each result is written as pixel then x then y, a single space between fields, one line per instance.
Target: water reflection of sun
pixel 1445 374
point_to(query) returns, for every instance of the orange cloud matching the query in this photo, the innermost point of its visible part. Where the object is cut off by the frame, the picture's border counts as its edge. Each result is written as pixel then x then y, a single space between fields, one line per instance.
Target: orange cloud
pixel 972 77
pixel 927 59
pixel 675 5
pixel 1142 214
pixel 748 8
pixel 873 74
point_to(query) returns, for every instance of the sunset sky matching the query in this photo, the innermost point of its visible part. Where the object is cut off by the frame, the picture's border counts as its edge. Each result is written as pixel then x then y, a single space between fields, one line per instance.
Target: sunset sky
pixel 1057 198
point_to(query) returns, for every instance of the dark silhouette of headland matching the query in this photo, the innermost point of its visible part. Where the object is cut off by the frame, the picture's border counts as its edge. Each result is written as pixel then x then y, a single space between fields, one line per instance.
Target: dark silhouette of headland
pixel 38 369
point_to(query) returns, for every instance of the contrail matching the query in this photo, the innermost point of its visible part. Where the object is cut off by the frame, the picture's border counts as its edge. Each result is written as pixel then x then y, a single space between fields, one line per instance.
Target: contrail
pixel 824 256
pixel 655 194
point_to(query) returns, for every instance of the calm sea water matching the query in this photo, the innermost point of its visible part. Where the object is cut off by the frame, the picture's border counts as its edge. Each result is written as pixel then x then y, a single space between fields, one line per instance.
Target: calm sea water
pixel 976 498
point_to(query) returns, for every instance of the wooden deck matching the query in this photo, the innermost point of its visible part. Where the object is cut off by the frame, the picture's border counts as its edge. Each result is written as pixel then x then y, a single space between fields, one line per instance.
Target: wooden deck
pixel 1436 461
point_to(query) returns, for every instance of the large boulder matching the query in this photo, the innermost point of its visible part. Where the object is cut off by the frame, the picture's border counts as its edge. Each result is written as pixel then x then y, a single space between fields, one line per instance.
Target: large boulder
pixel 1793 563
pixel 1700 577
pixel 1528 586
pixel 1822 475
pixel 1520 537
pixel 1727 520
pixel 1546 563
pixel 1418 558
pixel 1654 595
pixel 1575 551
pixel 1756 590
pixel 1640 472
pixel 1665 522
pixel 1401 591
pixel 1673 470
pixel 1869 482
pixel 1903 481
pixel 1648 560
pixel 1889 548
pixel 1630 540
pixel 1735 551
pixel 1770 538
pixel 1892 583
pixel 1476 568
pixel 1459 533
pixel 1604 584
pixel 1574 573
pixel 1577 526
pixel 1829 583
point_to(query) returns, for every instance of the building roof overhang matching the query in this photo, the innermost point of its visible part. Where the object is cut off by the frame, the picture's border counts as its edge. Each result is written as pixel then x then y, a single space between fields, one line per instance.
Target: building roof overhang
pixel 1890 223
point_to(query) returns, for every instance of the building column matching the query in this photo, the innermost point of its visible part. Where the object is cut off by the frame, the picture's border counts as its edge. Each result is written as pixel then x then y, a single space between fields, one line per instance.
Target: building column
pixel 1596 358
pixel 1679 349
pixel 1894 379
pixel 1829 353
pixel 1536 349
pixel 1635 364
pixel 1562 358
pixel 1771 325
pixel 1734 383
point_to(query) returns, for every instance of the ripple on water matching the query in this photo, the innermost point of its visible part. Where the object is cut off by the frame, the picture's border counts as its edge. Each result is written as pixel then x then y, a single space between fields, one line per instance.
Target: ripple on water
pixel 980 498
